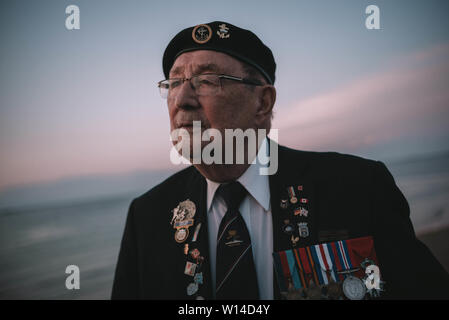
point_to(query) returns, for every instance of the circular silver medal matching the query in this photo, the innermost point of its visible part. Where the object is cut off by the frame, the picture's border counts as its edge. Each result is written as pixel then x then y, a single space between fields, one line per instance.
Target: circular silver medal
pixel 192 288
pixel 354 288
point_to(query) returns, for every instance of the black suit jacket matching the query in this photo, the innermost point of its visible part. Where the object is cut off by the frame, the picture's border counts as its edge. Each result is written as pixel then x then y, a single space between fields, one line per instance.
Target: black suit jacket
pixel 345 193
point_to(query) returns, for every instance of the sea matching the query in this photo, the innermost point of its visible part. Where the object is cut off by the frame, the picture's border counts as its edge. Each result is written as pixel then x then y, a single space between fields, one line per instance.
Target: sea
pixel 46 227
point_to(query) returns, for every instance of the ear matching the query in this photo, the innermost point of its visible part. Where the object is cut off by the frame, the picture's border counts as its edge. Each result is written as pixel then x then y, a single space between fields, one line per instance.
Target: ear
pixel 267 98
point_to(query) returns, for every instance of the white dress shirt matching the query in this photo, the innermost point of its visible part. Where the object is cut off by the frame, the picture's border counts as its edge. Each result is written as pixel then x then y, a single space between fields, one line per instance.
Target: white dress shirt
pixel 256 211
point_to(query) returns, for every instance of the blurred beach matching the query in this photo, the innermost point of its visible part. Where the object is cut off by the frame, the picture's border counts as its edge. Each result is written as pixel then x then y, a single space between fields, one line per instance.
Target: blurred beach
pixel 44 228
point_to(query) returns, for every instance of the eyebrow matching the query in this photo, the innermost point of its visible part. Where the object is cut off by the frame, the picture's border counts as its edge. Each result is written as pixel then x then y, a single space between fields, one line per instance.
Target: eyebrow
pixel 198 69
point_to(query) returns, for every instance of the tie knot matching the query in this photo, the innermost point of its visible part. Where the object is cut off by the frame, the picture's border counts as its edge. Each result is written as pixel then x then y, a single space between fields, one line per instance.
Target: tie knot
pixel 233 194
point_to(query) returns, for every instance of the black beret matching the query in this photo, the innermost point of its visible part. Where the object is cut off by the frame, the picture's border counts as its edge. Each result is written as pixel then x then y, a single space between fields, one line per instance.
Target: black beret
pixel 223 37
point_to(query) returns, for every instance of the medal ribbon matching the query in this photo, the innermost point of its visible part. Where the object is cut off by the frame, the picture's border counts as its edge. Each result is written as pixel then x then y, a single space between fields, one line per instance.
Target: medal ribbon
pixel 323 262
pixel 285 267
pixel 301 270
pixel 343 251
pixel 305 263
pixel 319 270
pixel 337 260
pixel 280 275
pixel 312 265
pixel 291 192
pixel 330 260
pixel 293 269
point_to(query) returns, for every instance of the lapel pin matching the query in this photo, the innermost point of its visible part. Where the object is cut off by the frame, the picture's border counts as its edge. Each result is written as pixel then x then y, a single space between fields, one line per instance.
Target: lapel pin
pixel 292 195
pixel 303 229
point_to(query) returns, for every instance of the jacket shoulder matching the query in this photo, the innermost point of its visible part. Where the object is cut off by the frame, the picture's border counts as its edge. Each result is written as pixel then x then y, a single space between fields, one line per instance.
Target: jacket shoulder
pixel 167 187
pixel 327 164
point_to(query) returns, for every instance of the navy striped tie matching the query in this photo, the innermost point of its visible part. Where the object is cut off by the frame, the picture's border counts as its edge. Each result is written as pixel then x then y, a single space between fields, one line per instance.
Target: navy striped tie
pixel 235 272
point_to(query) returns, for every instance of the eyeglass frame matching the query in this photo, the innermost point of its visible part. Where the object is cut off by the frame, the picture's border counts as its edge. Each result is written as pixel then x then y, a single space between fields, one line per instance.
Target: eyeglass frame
pixel 220 76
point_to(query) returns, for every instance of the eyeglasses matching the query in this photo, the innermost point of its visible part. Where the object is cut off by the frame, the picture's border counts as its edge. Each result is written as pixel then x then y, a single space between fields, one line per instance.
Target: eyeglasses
pixel 203 84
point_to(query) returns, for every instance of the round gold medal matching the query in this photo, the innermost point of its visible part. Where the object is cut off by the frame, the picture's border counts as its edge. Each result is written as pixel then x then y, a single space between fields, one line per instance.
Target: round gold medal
pixel 181 235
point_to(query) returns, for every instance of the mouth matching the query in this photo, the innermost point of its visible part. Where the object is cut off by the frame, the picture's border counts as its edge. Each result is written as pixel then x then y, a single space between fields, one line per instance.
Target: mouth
pixel 188 125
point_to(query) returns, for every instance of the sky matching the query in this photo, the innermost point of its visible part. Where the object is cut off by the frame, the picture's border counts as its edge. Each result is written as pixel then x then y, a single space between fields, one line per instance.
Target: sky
pixel 84 102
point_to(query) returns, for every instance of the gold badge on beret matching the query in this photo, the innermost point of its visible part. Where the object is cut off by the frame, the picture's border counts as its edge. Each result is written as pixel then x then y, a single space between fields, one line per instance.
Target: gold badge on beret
pixel 201 33
pixel 223 32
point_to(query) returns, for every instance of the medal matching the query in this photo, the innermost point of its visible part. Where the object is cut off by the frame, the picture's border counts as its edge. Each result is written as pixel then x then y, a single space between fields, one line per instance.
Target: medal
pixel 334 291
pixel 186 248
pixel 304 200
pixel 182 220
pixel 354 288
pixel 292 293
pixel 181 235
pixel 314 291
pixel 192 288
pixel 303 229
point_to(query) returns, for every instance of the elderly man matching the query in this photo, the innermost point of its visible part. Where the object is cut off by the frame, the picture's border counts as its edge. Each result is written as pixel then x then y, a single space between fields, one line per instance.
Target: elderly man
pixel 322 226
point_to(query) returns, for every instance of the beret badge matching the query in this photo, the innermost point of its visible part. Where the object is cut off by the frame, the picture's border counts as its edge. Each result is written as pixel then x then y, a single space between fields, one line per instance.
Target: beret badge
pixel 201 33
pixel 223 32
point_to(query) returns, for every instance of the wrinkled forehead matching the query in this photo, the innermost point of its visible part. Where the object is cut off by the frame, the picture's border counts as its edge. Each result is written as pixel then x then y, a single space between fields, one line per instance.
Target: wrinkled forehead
pixel 205 61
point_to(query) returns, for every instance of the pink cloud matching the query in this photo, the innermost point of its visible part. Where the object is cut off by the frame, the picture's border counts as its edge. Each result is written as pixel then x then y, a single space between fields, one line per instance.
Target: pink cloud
pixel 407 100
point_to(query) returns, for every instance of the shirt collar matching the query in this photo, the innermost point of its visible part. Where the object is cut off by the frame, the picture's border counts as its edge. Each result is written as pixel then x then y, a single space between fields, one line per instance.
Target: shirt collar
pixel 256 184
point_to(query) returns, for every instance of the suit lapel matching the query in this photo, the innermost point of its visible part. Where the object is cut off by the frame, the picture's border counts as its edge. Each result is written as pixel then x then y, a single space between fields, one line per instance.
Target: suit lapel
pixel 197 192
pixel 291 173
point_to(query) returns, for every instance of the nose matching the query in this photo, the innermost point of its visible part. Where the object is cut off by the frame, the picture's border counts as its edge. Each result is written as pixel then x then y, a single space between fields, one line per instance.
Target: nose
pixel 184 97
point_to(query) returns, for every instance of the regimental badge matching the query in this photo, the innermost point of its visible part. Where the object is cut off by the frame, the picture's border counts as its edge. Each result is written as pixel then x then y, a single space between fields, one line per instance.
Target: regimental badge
pixel 303 229
pixel 292 195
pixel 181 235
pixel 201 33
pixel 184 211
pixel 300 188
pixel 301 211
pixel 223 32
pixel 190 268
pixel 192 288
pixel 182 219
pixel 284 203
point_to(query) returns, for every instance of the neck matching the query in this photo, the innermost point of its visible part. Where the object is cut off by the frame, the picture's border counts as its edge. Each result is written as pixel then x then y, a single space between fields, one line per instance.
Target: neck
pixel 222 172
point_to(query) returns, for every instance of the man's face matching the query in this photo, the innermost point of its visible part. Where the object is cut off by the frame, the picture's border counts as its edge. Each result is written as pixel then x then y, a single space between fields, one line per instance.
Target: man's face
pixel 233 106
